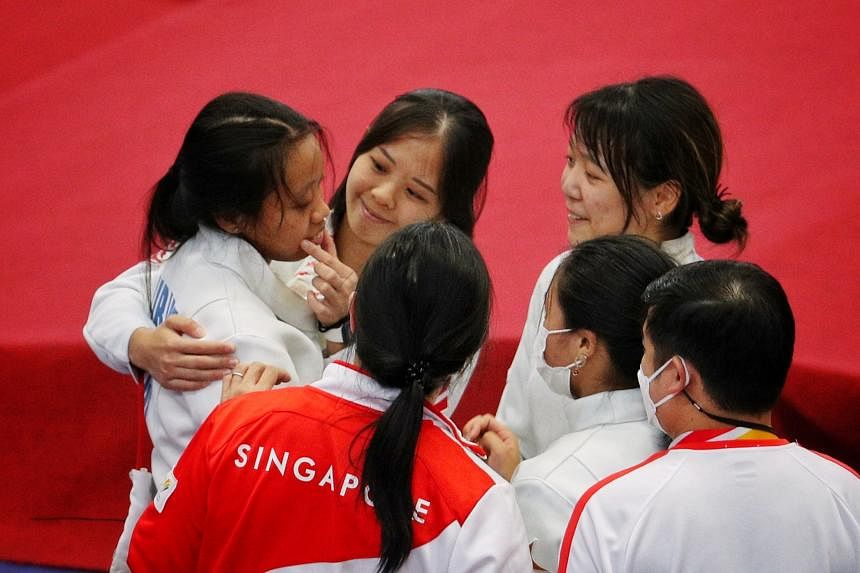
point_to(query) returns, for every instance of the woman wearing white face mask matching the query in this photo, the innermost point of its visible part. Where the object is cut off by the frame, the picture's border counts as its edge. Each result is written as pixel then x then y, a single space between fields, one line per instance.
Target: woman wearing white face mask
pixel 588 348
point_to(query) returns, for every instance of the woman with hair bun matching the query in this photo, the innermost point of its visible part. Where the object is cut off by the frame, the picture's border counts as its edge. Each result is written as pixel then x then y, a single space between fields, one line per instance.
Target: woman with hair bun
pixel 644 158
pixel 359 470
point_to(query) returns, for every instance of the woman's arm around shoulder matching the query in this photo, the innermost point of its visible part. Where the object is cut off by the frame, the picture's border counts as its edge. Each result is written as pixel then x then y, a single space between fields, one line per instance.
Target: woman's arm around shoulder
pixel 121 333
pixel 117 310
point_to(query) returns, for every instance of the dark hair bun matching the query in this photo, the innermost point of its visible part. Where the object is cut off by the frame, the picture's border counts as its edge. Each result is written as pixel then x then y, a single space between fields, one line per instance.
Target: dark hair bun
pixel 722 221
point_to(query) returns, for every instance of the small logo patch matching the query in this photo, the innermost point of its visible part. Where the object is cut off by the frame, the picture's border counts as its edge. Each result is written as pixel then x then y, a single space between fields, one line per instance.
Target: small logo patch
pixel 165 490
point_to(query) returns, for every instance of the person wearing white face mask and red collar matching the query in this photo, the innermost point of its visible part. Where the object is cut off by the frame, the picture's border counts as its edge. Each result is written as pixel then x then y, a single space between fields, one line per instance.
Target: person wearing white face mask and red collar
pixel 588 347
pixel 728 494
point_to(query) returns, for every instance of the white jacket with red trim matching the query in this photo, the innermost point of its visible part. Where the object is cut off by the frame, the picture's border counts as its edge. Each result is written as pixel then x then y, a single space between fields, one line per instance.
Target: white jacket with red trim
pixel 717 500
pixel 271 482
pixel 609 433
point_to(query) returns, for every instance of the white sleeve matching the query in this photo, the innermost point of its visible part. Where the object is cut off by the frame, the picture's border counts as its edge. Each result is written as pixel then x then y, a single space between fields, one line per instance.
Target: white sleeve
pixel 119 307
pixel 493 537
pixel 514 404
pixel 545 513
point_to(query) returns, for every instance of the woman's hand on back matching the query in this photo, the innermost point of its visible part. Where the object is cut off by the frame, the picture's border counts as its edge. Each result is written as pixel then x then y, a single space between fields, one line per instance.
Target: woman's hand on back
pixel 253 377
pixel 335 282
pixel 176 358
pixel 501 444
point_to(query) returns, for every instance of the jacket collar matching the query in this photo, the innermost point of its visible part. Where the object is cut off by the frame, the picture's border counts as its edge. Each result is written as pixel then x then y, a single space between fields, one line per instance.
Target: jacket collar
pixel 682 250
pixel 348 381
pixel 238 255
pixel 737 437
pixel 614 407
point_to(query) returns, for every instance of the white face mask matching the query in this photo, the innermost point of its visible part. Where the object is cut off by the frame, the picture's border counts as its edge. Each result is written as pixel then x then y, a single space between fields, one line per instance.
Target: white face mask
pixel 645 388
pixel 557 378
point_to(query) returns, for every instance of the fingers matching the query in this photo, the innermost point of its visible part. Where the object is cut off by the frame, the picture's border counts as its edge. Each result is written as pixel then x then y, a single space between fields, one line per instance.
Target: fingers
pixel 194 375
pixel 329 267
pixel 336 278
pixel 492 444
pixel 184 372
pixel 325 250
pixel 179 324
pixel 229 386
pixel 193 346
pixel 328 244
pixel 320 254
pixel 184 325
pixel 332 306
pixel 257 376
pixel 282 376
pixel 186 385
pixel 253 377
pixel 328 289
pixel 503 454
pixel 495 425
pixel 485 423
pixel 318 307
pixel 270 376
pixel 473 429
pixel 193 361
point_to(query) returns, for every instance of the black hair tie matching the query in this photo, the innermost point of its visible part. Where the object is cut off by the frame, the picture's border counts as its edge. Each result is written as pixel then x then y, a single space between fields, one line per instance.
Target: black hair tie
pixel 415 372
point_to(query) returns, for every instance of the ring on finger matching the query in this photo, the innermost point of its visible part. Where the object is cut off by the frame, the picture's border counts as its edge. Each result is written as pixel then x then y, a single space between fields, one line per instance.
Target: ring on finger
pixel 234 373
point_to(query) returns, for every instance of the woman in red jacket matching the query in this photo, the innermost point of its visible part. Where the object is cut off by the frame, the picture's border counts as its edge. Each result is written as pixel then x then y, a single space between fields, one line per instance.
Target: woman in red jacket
pixel 358 470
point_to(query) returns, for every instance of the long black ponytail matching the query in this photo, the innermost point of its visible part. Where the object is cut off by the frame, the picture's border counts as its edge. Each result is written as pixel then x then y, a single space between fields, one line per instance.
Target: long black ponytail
pixel 422 311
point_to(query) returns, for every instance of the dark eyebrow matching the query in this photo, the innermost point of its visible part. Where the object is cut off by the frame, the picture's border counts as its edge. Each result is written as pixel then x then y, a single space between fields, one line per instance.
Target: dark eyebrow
pixel 388 155
pixel 417 180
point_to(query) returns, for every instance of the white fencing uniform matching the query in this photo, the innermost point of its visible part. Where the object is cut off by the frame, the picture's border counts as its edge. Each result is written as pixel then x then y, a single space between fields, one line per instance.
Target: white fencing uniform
pixel 720 500
pixel 272 483
pixel 225 285
pixel 528 407
pixel 609 433
pixel 119 307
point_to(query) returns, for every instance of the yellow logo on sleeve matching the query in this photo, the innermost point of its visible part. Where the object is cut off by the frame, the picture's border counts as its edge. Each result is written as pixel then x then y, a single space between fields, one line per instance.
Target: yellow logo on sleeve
pixel 168 486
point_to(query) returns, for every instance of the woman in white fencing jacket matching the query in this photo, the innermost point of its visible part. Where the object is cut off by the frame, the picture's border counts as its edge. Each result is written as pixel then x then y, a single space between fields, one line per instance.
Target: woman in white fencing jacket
pixel 245 188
